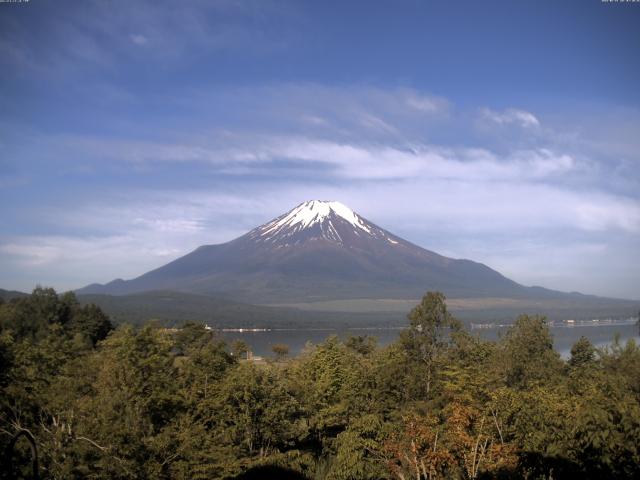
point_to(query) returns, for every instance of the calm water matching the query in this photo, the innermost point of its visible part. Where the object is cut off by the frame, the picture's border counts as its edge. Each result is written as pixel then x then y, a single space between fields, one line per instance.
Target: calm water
pixel 564 337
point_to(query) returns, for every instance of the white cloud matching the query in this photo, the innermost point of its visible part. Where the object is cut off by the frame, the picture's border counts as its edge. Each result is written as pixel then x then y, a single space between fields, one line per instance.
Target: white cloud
pixel 314 120
pixel 425 103
pixel 162 225
pixel 346 159
pixel 530 184
pixel 608 214
pixel 139 39
pixel 386 162
pixel 511 116
pixel 67 262
pixel 376 123
pixel 359 111
pixel 30 254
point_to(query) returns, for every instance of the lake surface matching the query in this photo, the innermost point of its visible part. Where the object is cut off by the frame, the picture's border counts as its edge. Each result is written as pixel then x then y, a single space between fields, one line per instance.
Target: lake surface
pixel 564 336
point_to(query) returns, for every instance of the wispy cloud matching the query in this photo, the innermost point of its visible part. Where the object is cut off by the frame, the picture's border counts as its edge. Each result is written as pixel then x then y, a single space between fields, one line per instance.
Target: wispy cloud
pixel 427 104
pixel 511 116
pixel 99 34
pixel 139 39
pixel 368 160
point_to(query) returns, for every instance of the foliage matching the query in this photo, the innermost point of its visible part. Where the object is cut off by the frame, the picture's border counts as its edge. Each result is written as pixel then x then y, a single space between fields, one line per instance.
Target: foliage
pixel 151 402
pixel 430 324
pixel 280 350
pixel 528 354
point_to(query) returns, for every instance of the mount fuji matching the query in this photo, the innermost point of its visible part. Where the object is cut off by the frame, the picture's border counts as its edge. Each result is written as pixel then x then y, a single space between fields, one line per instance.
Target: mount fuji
pixel 320 251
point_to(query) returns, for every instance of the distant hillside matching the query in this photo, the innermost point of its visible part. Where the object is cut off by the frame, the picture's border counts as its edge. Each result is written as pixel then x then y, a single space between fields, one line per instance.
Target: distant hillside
pixel 498 309
pixel 10 294
pixel 174 308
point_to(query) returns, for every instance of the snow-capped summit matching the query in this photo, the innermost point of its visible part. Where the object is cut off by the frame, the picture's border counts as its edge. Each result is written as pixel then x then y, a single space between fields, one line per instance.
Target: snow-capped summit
pixel 315 220
pixel 317 250
pixel 316 211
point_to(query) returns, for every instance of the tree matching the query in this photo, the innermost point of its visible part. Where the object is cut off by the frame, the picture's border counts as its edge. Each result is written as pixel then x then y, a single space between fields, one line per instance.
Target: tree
pixel 6 358
pixel 31 316
pixel 175 403
pixel 192 336
pixel 474 441
pixel 528 351
pixel 429 331
pixel 91 322
pixel 204 361
pixel 134 404
pixel 239 348
pixel 358 450
pixel 330 382
pixel 280 350
pixel 256 410
pixel 582 353
pixel 363 344
pixel 415 452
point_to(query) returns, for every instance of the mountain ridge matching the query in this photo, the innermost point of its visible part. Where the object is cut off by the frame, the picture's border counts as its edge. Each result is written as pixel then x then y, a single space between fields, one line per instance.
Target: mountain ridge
pixel 321 250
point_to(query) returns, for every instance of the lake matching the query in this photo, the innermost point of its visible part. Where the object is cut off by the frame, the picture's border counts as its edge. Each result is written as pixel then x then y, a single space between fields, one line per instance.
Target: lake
pixel 564 336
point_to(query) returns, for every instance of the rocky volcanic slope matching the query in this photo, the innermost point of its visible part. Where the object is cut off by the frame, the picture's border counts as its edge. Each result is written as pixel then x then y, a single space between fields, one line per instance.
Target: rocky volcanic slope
pixel 317 251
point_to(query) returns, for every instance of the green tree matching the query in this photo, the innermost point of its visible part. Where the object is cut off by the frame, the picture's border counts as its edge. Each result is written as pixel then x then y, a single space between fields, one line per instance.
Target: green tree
pixel 280 350
pixel 582 353
pixel 31 316
pixel 6 358
pixel 428 334
pixel 469 370
pixel 363 344
pixel 204 363
pixel 357 450
pixel 239 348
pixel 529 356
pixel 330 381
pixel 135 400
pixel 91 322
pixel 192 336
pixel 256 411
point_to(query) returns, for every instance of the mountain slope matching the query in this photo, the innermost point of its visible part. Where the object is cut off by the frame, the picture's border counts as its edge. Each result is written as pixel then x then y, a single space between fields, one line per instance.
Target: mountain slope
pixel 7 295
pixel 320 250
pixel 175 308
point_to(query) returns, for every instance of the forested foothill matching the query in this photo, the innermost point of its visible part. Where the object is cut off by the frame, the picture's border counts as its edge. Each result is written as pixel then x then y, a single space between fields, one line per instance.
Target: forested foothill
pixel 150 402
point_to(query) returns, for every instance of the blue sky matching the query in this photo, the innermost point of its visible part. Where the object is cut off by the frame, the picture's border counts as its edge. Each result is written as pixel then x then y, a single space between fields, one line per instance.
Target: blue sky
pixel 504 132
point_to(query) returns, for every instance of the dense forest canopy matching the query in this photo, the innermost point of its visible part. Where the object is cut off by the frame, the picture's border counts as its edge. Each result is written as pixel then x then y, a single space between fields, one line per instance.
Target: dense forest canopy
pixel 152 402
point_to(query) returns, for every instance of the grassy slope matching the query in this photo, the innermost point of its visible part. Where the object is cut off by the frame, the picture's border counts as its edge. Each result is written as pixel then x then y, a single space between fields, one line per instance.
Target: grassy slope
pixel 483 309
pixel 174 308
